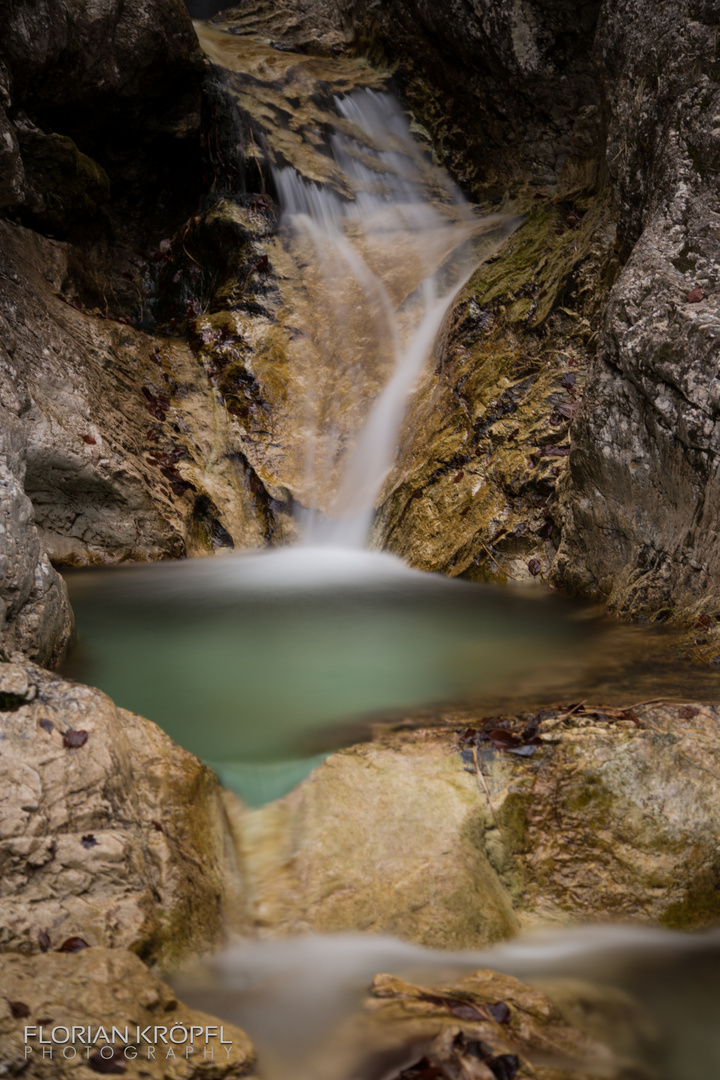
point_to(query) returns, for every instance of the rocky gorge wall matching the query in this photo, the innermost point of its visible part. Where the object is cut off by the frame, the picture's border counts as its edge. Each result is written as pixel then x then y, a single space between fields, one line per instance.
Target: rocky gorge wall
pixel 612 107
pixel 569 422
pixel 567 430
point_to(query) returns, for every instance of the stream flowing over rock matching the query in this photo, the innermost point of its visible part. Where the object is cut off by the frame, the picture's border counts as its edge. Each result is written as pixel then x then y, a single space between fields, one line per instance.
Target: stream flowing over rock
pixel 159 348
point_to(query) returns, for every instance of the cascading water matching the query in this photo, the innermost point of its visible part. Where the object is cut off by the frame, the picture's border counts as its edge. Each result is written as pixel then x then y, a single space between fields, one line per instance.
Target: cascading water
pixel 243 659
pixel 384 259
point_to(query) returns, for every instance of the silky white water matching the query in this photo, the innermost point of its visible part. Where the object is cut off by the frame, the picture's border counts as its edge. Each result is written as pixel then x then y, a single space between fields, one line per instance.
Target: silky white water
pixel 294 996
pixel 387 257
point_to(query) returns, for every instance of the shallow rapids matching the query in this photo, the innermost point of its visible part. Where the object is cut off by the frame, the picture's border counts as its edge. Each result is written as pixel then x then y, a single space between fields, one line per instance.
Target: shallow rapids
pixel 295 997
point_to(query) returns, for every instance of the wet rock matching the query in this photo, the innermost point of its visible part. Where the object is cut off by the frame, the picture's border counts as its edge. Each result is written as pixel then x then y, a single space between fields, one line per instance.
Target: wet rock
pixel 486 1026
pixel 106 988
pixel 515 79
pixel 487 77
pixel 109 481
pixel 605 819
pixel 34 609
pixel 304 26
pixel 108 831
pixel 486 442
pixel 410 860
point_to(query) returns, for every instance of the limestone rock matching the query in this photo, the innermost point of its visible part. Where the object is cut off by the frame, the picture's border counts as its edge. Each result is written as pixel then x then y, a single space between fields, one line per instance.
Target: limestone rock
pixel 91 57
pixel 642 505
pixel 607 819
pixel 503 87
pixel 487 437
pixel 108 831
pixel 105 988
pixel 409 860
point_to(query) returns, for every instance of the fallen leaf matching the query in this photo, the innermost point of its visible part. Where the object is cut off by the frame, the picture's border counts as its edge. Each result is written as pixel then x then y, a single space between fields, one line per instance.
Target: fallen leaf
pixel 44 941
pixel 112 1065
pixel 500 1012
pixel 46 725
pixel 19 1009
pixel 688 712
pixel 534 567
pixel 502 739
pixel 73 944
pixel 695 296
pixel 89 841
pixel 568 380
pixel 458 477
pixel 89 440
pixel 72 740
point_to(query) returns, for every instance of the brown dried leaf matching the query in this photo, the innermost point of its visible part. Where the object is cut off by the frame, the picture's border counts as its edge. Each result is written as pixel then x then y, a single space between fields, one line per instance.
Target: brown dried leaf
pixel 73 944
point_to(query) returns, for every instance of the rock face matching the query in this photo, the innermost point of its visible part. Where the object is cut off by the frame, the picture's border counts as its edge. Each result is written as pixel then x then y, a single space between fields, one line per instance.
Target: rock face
pixel 106 988
pixel 607 819
pixel 506 89
pixel 487 437
pixel 108 831
pixel 114 445
pixel 410 861
pixel 642 504
pixel 511 80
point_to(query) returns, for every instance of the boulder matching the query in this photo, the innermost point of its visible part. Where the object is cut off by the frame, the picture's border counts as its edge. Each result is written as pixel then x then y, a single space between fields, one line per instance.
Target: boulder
pixel 610 817
pixel 99 988
pixel 109 832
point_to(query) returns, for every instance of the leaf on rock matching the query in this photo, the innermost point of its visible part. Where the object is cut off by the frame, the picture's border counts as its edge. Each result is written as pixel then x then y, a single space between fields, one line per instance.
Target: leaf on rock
pixel 695 296
pixel 109 1066
pixel 500 1012
pixel 44 941
pixel 88 841
pixel 73 740
pixel 502 739
pixel 73 944
pixel 19 1009
pixel 46 725
pixel 534 567
pixel 688 712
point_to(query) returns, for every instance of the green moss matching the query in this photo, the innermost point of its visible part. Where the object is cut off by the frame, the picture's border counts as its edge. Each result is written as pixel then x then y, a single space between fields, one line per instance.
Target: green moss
pixel 590 797
pixel 699 907
pixel 514 823
pixel 533 270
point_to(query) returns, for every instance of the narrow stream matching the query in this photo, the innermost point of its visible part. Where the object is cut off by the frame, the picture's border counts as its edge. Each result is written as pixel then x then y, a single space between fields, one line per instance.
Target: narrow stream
pixel 262 663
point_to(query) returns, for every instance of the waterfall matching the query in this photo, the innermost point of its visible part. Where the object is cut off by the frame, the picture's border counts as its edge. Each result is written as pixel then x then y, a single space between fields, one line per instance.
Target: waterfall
pixel 386 250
